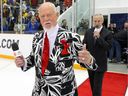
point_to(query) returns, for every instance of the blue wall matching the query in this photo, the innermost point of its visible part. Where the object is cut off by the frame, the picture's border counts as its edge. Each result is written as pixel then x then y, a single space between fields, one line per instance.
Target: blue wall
pixel 119 19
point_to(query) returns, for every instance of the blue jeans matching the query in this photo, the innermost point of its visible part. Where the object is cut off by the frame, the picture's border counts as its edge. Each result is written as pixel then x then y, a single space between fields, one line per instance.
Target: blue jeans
pixel 115 51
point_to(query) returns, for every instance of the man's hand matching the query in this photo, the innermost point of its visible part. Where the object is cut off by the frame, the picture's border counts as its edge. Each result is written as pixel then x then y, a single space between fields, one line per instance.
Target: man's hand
pixel 96 34
pixel 19 61
pixel 84 56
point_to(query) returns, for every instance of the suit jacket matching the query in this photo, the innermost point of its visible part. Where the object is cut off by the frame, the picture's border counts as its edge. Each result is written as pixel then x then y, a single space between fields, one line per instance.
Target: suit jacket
pixel 99 47
pixel 59 78
pixel 122 38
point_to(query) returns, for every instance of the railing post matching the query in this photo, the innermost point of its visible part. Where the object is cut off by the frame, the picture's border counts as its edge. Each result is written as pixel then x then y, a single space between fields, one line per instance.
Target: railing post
pixel 1 5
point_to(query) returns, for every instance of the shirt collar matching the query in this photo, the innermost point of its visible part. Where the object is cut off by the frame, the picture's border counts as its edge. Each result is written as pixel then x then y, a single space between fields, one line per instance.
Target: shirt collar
pixel 52 32
pixel 98 29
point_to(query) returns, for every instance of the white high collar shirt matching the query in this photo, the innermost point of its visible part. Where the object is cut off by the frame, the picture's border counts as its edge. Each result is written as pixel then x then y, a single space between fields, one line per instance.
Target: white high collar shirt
pixel 98 29
pixel 52 33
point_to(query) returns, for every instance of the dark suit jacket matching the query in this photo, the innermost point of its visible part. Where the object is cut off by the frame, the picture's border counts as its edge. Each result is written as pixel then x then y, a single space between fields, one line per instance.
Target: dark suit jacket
pixel 122 38
pixel 98 47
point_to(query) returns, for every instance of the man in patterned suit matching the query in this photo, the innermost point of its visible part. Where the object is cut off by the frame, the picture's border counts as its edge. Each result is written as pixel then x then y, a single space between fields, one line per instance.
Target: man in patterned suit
pixel 59 77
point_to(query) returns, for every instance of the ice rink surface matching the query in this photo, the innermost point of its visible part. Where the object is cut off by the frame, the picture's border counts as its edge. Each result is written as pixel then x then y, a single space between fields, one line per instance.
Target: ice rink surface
pixel 14 82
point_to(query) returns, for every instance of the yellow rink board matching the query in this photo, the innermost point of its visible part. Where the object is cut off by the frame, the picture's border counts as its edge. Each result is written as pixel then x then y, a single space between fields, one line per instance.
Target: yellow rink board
pixel 76 65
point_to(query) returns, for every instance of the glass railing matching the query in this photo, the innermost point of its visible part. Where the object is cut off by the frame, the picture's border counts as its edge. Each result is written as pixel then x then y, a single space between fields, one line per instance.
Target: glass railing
pixel 14 17
pixel 78 16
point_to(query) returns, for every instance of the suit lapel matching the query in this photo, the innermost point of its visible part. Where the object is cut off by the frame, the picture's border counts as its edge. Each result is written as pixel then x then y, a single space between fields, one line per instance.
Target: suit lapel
pixel 93 39
pixel 102 33
pixel 56 51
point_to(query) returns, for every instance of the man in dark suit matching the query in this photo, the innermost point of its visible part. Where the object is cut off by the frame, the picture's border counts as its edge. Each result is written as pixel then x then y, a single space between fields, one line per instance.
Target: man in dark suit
pixel 122 38
pixel 98 41
pixel 56 76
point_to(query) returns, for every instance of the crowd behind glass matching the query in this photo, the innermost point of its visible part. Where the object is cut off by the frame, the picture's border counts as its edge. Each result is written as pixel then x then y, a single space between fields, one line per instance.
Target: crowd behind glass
pixel 24 19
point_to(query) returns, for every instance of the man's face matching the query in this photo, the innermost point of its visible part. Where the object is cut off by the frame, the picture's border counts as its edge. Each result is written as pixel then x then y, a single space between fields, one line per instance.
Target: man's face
pixel 126 26
pixel 48 17
pixel 97 21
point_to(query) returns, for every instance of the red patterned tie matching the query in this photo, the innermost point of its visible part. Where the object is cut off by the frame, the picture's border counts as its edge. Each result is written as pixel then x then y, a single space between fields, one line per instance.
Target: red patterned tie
pixel 45 54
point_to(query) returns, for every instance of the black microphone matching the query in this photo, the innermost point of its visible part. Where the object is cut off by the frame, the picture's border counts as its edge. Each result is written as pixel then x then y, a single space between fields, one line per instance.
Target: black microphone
pixel 16 50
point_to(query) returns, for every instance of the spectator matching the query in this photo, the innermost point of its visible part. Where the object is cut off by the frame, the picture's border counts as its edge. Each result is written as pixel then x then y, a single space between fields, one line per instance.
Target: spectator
pixel 115 51
pixel 32 26
pixel 122 38
pixel 64 24
pixel 83 26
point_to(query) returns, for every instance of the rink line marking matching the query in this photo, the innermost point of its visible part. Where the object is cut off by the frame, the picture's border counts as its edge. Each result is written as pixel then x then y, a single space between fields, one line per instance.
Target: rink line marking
pixel 75 66
pixel 6 56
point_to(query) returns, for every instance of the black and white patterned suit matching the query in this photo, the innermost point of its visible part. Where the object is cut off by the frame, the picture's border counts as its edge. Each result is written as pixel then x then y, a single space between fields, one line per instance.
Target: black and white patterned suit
pixel 59 78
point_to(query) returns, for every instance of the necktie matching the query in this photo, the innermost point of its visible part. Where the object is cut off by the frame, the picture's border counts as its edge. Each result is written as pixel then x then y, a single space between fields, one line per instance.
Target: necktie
pixel 45 54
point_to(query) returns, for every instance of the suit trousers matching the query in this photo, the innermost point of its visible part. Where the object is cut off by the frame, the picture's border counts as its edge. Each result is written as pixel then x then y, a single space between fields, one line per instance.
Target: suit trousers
pixel 96 79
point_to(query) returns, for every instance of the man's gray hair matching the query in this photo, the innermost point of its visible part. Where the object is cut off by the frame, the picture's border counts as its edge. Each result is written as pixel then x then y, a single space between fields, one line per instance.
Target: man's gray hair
pixel 48 4
pixel 99 15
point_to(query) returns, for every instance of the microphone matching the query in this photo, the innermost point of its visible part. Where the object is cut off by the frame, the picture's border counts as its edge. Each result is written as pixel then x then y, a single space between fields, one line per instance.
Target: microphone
pixel 96 33
pixel 16 51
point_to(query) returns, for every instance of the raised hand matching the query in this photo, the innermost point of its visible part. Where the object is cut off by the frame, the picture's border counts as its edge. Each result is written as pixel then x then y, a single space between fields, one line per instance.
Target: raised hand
pixel 96 34
pixel 19 61
pixel 84 56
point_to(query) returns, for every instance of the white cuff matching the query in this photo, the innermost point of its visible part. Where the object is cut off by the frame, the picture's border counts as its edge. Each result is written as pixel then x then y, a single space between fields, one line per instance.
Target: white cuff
pixel 25 65
pixel 91 62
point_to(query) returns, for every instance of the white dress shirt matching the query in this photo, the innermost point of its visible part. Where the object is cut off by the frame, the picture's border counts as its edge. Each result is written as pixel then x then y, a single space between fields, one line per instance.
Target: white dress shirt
pixel 98 29
pixel 52 33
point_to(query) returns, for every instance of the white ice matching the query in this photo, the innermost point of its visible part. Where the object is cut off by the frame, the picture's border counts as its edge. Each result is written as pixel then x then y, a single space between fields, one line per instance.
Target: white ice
pixel 14 82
